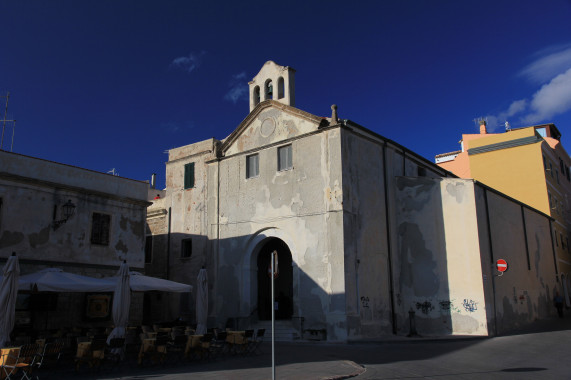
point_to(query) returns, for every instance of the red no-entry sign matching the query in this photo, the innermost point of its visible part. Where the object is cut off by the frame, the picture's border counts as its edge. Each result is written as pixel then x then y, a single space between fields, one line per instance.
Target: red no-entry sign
pixel 502 265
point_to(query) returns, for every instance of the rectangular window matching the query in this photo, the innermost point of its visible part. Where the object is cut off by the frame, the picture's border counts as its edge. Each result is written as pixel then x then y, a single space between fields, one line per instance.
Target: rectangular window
pixel 557 175
pixel 562 242
pixel 551 169
pixel 550 200
pixel 189 175
pixel 544 163
pixel 100 226
pixel 284 158
pixel 186 248
pixel 556 242
pixel 252 166
pixel 149 249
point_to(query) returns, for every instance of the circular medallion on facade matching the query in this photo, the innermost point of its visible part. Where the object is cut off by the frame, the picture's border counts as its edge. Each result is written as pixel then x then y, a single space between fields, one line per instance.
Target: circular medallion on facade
pixel 268 127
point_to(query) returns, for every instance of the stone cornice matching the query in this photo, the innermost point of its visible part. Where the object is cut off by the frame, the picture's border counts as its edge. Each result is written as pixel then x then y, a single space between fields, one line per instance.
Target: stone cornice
pixel 75 189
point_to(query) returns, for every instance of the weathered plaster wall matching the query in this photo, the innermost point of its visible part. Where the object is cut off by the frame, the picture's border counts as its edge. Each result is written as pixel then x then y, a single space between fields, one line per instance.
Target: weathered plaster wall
pixel 271 125
pixel 188 210
pixel 525 292
pixel 157 306
pixel 301 206
pixel 29 190
pixel 466 291
pixel 29 194
pixel 437 267
pixel 366 257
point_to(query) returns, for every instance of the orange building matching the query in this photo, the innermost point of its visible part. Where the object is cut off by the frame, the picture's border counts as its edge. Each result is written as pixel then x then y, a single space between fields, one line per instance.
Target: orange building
pixel 528 164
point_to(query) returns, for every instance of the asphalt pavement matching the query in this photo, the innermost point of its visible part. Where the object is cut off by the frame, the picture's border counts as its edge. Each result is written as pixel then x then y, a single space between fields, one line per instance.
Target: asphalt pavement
pixel 540 351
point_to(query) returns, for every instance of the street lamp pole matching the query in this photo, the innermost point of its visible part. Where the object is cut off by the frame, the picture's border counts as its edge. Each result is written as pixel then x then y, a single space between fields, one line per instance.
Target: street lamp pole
pixel 273 276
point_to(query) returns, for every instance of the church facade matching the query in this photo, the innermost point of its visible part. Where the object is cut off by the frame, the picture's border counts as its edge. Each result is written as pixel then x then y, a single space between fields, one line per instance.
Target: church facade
pixel 371 238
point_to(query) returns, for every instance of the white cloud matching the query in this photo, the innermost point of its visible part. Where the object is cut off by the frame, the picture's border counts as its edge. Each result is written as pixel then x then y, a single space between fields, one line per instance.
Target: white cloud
pixel 175 127
pixel 189 62
pixel 557 60
pixel 552 99
pixel 553 70
pixel 238 88
pixel 494 121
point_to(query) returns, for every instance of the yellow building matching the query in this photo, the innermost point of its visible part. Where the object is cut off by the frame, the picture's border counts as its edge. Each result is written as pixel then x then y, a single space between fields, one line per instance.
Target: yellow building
pixel 528 164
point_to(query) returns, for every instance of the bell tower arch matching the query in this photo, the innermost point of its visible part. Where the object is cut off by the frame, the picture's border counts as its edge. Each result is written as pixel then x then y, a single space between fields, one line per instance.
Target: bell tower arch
pixel 273 82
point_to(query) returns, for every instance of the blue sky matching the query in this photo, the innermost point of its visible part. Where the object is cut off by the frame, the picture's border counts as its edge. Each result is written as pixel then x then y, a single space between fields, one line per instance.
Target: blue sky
pixel 114 84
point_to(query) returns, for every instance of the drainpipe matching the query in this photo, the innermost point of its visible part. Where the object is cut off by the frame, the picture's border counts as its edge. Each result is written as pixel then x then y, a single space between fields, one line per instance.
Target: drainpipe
pixel 491 260
pixel 169 243
pixel 217 214
pixel 553 249
pixel 389 254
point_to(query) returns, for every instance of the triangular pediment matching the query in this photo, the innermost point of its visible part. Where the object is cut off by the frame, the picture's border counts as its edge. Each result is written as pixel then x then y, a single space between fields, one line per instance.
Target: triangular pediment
pixel 269 123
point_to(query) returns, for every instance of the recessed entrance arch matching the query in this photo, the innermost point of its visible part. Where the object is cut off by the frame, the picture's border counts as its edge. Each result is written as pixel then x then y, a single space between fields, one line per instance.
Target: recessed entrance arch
pixel 283 284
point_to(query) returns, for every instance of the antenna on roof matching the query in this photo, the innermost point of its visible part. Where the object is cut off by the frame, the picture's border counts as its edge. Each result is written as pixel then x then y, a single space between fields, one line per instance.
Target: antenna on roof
pixel 113 172
pixel 4 120
pixel 480 120
pixel 508 127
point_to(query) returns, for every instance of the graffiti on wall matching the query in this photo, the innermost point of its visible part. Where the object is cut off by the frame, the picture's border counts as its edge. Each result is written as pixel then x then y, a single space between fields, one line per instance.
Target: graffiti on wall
pixel 448 306
pixel 445 305
pixel 365 302
pixel 470 305
pixel 425 307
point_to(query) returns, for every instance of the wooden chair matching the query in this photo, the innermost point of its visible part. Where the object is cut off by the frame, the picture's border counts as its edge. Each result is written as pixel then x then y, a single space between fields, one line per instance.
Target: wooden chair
pixel 24 361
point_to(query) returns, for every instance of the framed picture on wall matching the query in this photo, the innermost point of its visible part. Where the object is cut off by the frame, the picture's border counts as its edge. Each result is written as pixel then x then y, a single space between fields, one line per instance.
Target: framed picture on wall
pixel 98 306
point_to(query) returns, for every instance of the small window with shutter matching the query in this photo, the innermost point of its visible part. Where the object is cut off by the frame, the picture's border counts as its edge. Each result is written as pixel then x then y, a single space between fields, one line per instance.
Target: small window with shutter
pixel 189 175
pixel 252 166
pixel 284 158
pixel 100 226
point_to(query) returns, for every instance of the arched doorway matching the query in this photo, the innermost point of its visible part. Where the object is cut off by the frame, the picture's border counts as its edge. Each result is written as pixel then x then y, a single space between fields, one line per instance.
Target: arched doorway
pixel 283 284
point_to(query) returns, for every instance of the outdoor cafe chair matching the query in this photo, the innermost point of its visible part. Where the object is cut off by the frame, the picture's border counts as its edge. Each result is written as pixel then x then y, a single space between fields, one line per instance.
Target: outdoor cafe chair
pixel 177 346
pixel 205 345
pixel 24 361
pixel 156 353
pixel 257 341
pixel 193 347
pixel 94 356
pixel 50 355
pixel 114 351
pixel 241 343
pixel 219 346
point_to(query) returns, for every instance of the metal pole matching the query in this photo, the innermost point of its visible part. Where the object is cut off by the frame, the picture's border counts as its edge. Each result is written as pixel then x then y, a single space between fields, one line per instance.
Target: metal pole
pixel 273 316
pixel 4 124
pixel 13 131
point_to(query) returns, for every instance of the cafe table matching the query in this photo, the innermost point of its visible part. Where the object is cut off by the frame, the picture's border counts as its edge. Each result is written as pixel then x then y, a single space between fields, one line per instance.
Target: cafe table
pixel 236 337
